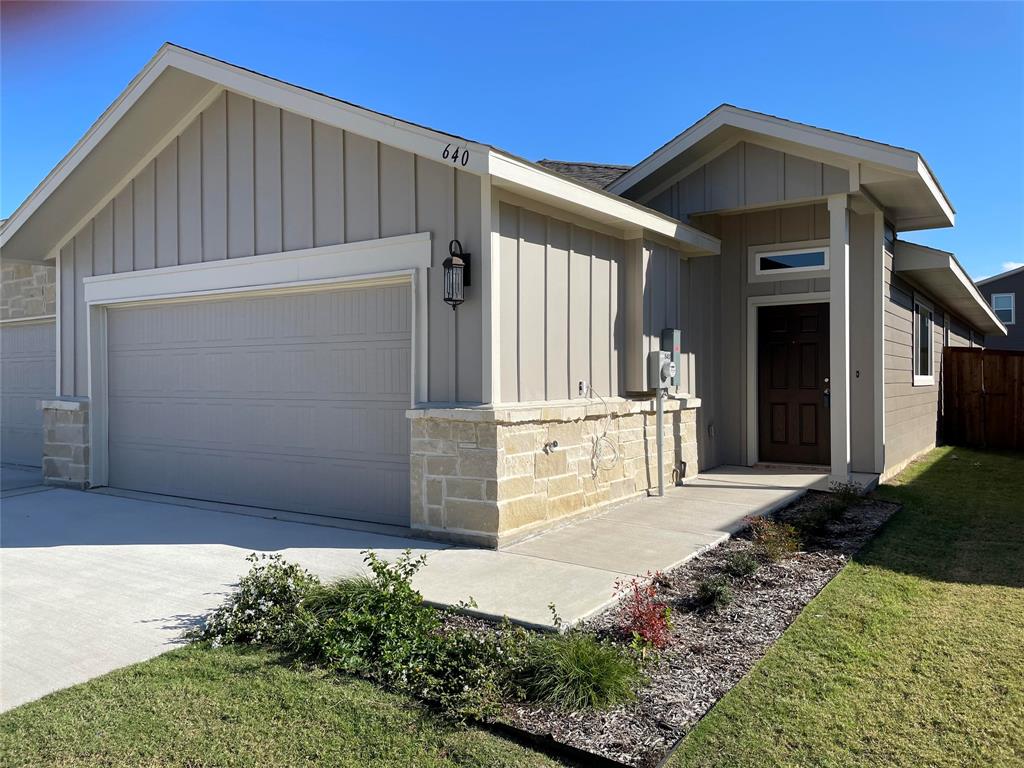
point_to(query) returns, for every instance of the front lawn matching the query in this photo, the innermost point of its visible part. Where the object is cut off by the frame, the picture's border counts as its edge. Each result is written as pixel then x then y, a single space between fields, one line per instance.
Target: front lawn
pixel 199 707
pixel 914 655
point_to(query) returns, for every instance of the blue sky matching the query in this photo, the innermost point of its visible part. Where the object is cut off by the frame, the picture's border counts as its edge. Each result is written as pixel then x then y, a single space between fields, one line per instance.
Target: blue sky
pixel 601 82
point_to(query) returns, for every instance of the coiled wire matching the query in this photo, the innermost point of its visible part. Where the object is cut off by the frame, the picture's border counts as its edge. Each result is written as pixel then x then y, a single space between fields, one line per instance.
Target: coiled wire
pixel 605 453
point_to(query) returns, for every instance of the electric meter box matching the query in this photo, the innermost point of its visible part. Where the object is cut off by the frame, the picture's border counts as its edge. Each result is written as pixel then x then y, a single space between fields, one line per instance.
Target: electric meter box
pixel 660 369
pixel 672 341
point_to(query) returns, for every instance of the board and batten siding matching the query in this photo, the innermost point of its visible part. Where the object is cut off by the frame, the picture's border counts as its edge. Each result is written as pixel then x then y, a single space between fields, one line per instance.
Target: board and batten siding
pixel 562 307
pixel 911 412
pixel 246 178
pixel 745 175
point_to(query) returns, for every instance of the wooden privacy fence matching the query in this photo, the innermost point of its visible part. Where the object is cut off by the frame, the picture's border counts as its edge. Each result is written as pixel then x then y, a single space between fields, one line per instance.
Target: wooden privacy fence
pixel 983 398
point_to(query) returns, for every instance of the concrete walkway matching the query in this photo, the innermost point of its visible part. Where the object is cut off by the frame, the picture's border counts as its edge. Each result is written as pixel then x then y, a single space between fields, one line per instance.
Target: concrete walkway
pixel 91 582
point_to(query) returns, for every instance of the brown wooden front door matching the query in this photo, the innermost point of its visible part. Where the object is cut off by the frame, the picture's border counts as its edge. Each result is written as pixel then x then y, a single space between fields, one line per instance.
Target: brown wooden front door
pixel 792 362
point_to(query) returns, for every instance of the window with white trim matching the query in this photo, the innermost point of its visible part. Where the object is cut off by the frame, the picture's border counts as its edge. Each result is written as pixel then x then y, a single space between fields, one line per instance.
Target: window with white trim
pixel 924 339
pixel 1003 304
pixel 792 260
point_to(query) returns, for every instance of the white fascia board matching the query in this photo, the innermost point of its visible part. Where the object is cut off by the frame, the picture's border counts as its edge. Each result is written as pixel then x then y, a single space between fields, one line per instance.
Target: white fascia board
pixel 862 150
pixel 527 178
pixel 767 125
pixel 911 257
pixel 85 145
pixel 364 122
pixel 389 130
pixel 929 180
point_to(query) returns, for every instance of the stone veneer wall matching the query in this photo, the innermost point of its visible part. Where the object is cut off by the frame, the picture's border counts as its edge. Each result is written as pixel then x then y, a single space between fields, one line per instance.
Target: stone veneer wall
pixel 66 442
pixel 27 290
pixel 491 475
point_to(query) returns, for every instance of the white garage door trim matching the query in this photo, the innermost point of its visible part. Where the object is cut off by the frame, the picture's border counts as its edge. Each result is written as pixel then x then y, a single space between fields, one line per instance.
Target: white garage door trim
pixel 393 259
pixel 21 322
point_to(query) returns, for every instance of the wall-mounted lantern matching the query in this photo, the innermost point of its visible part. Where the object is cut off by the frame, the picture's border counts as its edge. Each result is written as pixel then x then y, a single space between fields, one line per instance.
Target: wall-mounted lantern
pixel 456 274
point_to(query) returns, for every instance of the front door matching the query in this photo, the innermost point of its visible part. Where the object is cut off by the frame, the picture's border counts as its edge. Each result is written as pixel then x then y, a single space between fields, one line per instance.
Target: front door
pixel 792 360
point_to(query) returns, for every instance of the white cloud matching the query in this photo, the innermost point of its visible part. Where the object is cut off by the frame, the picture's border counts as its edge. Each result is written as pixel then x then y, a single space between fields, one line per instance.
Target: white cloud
pixel 1008 265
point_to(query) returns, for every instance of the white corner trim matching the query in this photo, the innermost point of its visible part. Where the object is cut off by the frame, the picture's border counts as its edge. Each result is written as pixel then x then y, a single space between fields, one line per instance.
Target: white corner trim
pixel 363 260
pixel 878 324
pixel 753 302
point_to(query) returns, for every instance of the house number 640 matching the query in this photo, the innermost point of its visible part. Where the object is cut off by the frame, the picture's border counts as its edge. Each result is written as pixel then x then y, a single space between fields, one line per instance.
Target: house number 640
pixel 456 155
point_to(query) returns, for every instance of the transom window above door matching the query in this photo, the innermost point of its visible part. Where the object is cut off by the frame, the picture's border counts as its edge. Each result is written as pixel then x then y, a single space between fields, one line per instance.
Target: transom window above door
pixel 779 262
pixel 1003 306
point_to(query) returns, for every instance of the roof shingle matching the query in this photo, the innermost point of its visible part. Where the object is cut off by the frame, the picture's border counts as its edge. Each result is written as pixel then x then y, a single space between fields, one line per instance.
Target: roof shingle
pixel 598 175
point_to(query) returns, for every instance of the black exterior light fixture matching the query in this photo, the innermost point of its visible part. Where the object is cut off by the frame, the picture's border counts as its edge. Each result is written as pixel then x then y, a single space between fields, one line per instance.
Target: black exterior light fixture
pixel 456 274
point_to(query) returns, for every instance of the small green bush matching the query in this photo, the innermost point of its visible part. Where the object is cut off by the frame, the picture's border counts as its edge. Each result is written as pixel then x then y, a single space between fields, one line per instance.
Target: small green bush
pixel 378 627
pixel 713 593
pixel 264 609
pixel 773 541
pixel 848 493
pixel 740 564
pixel 577 671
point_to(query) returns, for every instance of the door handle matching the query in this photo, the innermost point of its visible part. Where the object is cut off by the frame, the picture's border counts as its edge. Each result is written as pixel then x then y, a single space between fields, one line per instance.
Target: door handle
pixel 826 395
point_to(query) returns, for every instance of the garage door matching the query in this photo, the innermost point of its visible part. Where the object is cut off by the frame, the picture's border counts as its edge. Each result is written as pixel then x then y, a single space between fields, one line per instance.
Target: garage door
pixel 291 401
pixel 27 375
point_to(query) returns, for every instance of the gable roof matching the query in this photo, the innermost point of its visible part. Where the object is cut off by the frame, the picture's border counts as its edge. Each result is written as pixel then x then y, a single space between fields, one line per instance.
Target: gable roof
pixel 177 84
pixel 1001 275
pixel 898 178
pixel 598 175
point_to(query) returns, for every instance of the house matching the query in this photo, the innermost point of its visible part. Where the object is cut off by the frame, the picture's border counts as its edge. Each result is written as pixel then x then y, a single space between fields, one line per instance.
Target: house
pixel 1001 292
pixel 252 307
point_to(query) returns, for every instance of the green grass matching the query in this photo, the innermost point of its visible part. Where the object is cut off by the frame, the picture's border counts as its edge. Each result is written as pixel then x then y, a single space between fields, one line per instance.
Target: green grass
pixel 198 708
pixel 914 655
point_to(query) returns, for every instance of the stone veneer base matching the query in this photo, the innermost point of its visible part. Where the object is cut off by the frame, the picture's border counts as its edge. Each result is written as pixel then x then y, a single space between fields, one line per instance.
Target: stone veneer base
pixel 66 442
pixel 492 475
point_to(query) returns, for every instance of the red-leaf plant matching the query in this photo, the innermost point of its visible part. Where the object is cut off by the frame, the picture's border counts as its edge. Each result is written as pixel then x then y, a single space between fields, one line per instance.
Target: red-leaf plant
pixel 641 615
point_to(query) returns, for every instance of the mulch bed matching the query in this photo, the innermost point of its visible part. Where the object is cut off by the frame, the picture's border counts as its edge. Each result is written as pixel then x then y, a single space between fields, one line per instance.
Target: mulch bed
pixel 709 651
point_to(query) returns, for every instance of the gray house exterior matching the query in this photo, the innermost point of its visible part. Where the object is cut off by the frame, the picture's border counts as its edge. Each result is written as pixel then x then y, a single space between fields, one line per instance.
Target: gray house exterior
pixel 250 308
pixel 1001 292
pixel 27 358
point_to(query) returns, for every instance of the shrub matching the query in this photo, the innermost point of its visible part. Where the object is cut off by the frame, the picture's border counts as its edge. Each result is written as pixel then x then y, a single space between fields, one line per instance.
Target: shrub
pixel 379 627
pixel 641 616
pixel 740 564
pixel 264 608
pixel 576 671
pixel 847 493
pixel 713 593
pixel 773 541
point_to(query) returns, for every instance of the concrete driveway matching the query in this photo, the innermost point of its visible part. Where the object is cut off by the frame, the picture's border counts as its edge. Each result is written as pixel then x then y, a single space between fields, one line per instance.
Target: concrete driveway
pixel 91 582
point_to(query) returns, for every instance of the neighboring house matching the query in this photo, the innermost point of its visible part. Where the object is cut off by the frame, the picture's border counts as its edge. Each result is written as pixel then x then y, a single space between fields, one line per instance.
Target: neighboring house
pixel 252 307
pixel 1003 292
pixel 27 301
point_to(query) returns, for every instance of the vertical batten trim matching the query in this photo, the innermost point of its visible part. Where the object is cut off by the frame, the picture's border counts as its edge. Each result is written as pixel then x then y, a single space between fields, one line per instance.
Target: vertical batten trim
pixel 255 211
pixel 490 293
pixel 202 189
pixel 453 348
pixel 280 172
pixel 57 313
